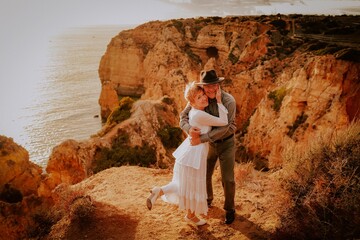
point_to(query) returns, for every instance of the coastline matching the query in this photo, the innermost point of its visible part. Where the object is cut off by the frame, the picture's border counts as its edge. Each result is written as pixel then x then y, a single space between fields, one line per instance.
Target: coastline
pixel 62 101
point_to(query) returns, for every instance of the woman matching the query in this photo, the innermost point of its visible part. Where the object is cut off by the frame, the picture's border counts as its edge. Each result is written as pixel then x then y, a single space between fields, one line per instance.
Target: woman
pixel 188 186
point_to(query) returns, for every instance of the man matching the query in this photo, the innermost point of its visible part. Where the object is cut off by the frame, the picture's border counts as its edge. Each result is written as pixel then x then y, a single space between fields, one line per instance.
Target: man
pixel 221 141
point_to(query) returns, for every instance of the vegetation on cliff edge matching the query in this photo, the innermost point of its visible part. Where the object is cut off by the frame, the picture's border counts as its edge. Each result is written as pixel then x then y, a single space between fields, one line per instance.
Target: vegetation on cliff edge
pixel 122 112
pixel 324 189
pixel 121 154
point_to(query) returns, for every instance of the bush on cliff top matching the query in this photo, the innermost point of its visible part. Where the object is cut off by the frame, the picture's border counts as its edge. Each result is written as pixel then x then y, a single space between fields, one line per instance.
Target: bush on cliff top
pixel 121 154
pixel 324 189
pixel 277 96
pixel 171 137
pixel 122 112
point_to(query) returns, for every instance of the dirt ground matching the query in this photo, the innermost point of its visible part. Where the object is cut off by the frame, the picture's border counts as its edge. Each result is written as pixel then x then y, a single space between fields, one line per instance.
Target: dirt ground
pixel 119 196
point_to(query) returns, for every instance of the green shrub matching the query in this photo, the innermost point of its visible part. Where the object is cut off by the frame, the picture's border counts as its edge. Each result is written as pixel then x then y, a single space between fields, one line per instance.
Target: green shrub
pixel 195 31
pixel 234 54
pixel 299 120
pixel 10 194
pixel 171 137
pixel 179 26
pixel 122 112
pixel 233 59
pixel 348 54
pixel 43 220
pixel 324 188
pixel 82 210
pixel 279 24
pixel 202 20
pixel 327 50
pixel 167 100
pixel 244 128
pixel 122 154
pixel 191 54
pixel 277 96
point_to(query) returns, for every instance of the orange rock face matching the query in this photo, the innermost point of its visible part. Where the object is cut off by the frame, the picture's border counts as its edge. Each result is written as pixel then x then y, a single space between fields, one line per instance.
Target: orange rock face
pixel 19 183
pixel 108 99
pixel 18 176
pixel 69 163
pixel 314 106
pixel 290 84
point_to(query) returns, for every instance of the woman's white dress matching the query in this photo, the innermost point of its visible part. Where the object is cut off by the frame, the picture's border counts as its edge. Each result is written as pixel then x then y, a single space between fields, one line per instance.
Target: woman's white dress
pixel 188 185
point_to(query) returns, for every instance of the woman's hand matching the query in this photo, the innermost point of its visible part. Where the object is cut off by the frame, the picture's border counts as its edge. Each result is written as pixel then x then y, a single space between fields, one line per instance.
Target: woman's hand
pixel 218 95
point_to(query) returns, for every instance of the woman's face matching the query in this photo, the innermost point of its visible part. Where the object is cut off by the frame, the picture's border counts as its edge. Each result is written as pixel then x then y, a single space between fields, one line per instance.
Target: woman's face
pixel 200 100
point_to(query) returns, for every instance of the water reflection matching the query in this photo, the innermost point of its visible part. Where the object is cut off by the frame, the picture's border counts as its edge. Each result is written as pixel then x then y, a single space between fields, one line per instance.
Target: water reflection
pixel 63 102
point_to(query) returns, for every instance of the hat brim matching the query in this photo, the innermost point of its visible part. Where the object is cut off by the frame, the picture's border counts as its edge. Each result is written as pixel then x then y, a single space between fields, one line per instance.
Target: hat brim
pixel 220 79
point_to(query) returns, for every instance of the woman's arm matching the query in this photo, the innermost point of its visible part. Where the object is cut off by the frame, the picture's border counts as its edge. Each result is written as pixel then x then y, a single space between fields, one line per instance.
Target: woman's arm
pixel 206 119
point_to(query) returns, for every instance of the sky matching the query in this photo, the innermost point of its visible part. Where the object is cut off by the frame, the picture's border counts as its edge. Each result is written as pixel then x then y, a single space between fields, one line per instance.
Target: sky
pixel 26 27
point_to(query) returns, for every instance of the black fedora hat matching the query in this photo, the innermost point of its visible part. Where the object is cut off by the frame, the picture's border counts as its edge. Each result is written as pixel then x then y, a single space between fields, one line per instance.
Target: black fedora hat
pixel 209 77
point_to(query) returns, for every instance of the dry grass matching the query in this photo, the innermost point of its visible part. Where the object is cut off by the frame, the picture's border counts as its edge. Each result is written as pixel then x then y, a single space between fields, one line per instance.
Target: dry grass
pixel 73 208
pixel 323 182
pixel 243 172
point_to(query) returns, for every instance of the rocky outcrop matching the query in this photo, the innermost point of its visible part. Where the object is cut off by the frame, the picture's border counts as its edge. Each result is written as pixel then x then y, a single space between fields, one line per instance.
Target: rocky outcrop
pixel 19 177
pixel 108 99
pixel 69 163
pixel 313 106
pixel 19 183
pixel 27 194
pixel 292 83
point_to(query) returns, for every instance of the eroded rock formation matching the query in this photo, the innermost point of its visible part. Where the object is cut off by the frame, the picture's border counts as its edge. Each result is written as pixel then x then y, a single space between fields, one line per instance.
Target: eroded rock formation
pixel 294 79
pixel 19 177
pixel 292 82
pixel 19 183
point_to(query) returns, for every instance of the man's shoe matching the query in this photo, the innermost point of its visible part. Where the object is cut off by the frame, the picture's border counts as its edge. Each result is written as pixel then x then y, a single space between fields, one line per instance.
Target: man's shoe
pixel 229 217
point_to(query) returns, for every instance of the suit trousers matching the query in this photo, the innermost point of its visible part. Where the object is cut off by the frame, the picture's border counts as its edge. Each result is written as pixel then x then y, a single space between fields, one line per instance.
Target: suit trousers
pixel 225 152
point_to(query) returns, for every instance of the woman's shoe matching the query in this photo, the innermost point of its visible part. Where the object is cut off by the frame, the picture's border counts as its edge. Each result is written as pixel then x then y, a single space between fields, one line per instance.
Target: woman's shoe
pixel 153 196
pixel 192 220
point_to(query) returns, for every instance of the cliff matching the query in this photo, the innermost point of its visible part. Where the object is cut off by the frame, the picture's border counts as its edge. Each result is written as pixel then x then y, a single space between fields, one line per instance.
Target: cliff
pixel 111 204
pixel 294 77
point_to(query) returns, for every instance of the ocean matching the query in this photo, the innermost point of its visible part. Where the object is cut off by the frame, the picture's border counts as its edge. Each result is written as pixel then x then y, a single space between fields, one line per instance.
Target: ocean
pixel 63 100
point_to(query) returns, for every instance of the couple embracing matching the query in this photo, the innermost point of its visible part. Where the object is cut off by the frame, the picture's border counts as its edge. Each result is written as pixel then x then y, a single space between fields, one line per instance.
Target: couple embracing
pixel 209 121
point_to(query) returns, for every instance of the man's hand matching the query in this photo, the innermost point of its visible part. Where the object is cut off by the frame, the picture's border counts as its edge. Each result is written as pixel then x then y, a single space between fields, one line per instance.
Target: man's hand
pixel 194 132
pixel 218 95
pixel 195 141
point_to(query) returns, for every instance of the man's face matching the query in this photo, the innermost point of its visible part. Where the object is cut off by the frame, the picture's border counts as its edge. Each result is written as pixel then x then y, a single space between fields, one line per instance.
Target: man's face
pixel 210 90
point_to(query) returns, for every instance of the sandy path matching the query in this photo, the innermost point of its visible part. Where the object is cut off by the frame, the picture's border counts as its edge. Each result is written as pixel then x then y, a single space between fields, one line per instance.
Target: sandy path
pixel 119 195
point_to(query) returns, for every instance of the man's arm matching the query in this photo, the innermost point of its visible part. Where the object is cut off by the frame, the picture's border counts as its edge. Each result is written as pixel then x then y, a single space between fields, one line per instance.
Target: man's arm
pixel 184 119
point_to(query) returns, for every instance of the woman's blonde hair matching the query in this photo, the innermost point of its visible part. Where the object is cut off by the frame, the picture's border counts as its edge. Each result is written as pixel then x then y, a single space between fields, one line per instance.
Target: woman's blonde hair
pixel 191 90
